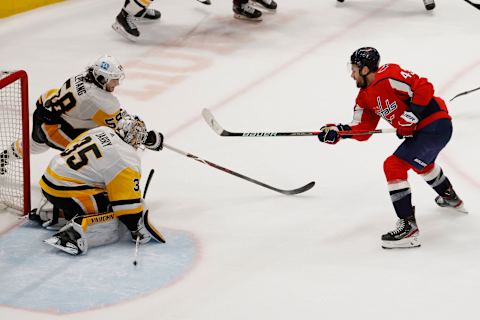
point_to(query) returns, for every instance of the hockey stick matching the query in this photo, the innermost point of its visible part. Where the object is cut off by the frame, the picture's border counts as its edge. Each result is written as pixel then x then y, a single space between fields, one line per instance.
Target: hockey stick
pixel 241 176
pixel 465 92
pixel 207 2
pixel 209 118
pixel 476 5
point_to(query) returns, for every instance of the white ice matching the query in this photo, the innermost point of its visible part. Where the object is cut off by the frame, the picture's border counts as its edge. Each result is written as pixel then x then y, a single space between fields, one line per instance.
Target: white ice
pixel 265 255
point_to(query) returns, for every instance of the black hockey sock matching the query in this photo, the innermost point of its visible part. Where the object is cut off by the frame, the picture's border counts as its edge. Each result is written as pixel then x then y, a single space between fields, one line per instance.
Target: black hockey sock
pixel 402 202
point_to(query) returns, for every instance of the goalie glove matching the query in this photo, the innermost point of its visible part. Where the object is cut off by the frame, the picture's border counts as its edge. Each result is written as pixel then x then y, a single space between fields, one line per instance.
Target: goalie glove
pixel 154 140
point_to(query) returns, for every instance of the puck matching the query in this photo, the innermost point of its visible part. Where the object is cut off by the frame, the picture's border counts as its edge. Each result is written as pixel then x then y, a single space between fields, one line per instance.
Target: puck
pixel 135 262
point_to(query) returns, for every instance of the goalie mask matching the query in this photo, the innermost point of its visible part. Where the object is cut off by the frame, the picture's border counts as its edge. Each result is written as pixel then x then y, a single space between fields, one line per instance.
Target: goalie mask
pixel 132 130
pixel 106 68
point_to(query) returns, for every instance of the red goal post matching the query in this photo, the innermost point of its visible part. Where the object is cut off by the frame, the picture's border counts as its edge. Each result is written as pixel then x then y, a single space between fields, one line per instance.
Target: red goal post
pixel 14 129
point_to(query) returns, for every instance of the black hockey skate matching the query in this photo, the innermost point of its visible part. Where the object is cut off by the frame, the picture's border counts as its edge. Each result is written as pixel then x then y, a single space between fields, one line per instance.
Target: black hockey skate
pixel 270 5
pixel 429 4
pixel 450 199
pixel 149 15
pixel 404 236
pixel 125 26
pixel 3 162
pixel 245 11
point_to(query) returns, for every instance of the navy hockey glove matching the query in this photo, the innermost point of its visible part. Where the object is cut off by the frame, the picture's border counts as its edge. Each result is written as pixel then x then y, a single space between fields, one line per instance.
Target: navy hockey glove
pixel 45 113
pixel 329 133
pixel 154 140
pixel 407 125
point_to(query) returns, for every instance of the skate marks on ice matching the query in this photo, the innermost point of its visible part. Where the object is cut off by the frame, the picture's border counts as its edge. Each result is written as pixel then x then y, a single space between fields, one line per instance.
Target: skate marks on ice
pixel 37 277
pixel 169 63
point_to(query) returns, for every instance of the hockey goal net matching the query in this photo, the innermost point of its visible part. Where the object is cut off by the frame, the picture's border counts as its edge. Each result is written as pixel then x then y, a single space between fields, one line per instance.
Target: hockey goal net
pixel 14 170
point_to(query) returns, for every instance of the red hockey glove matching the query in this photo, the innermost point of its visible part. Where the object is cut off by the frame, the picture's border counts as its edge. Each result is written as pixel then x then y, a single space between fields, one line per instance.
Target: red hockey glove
pixel 329 133
pixel 407 125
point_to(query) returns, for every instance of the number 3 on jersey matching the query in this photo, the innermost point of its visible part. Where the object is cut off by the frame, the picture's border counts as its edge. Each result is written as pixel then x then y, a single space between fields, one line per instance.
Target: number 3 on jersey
pixel 79 158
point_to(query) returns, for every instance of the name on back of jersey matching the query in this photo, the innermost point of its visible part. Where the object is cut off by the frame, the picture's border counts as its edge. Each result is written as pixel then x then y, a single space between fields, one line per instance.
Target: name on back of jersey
pixel 103 138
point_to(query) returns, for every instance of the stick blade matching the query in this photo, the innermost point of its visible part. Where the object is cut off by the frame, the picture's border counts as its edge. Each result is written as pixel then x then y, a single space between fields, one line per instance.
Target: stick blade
pixel 208 117
pixel 207 2
pixel 306 187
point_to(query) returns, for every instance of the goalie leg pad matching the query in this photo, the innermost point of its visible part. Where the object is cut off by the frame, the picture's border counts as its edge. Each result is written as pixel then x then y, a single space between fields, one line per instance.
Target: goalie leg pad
pixel 70 239
pixel 146 231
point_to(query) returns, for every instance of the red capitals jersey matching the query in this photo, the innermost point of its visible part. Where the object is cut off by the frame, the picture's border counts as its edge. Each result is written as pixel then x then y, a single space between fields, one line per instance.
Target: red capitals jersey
pixel 390 94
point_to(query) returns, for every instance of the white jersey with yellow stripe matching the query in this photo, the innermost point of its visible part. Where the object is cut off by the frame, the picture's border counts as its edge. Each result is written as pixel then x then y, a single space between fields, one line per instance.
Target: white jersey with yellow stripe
pixel 84 105
pixel 97 161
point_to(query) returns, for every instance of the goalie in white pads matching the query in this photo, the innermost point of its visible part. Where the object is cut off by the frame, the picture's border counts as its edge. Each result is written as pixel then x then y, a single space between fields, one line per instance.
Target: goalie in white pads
pixel 96 180
pixel 83 102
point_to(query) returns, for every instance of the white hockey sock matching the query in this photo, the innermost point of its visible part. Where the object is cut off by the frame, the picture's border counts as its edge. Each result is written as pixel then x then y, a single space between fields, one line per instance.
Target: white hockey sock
pixel 135 7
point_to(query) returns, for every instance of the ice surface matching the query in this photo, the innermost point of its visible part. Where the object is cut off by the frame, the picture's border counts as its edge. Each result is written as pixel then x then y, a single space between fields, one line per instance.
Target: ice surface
pixel 264 255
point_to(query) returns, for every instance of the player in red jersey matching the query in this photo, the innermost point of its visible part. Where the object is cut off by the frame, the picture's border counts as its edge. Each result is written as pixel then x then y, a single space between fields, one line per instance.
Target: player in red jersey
pixel 407 102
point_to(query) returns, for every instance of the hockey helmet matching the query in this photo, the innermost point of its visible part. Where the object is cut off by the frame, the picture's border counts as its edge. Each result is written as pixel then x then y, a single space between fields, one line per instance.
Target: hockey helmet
pixel 105 69
pixel 132 130
pixel 366 57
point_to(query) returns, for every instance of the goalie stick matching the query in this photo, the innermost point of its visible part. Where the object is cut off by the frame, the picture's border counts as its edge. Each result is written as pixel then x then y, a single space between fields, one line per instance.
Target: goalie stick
pixel 465 92
pixel 137 241
pixel 210 119
pixel 304 188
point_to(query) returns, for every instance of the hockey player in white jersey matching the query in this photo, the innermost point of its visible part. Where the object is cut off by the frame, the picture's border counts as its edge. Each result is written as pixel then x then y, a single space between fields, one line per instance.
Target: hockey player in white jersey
pixel 96 181
pixel 83 102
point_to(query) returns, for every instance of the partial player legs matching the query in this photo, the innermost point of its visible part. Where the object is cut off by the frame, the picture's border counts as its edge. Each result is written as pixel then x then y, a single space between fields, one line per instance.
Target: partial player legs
pixel 125 25
pixel 406 233
pixel 265 4
pixel 133 11
pixel 244 10
pixel 429 4
pixel 447 197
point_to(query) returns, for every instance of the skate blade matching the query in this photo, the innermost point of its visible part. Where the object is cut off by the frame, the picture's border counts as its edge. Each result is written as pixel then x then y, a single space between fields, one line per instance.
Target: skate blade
pixel 125 34
pixel 461 208
pixel 53 241
pixel 411 242
pixel 243 18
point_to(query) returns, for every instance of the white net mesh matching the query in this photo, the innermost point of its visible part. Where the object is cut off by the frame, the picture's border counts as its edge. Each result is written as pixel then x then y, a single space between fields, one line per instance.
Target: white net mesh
pixel 11 167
